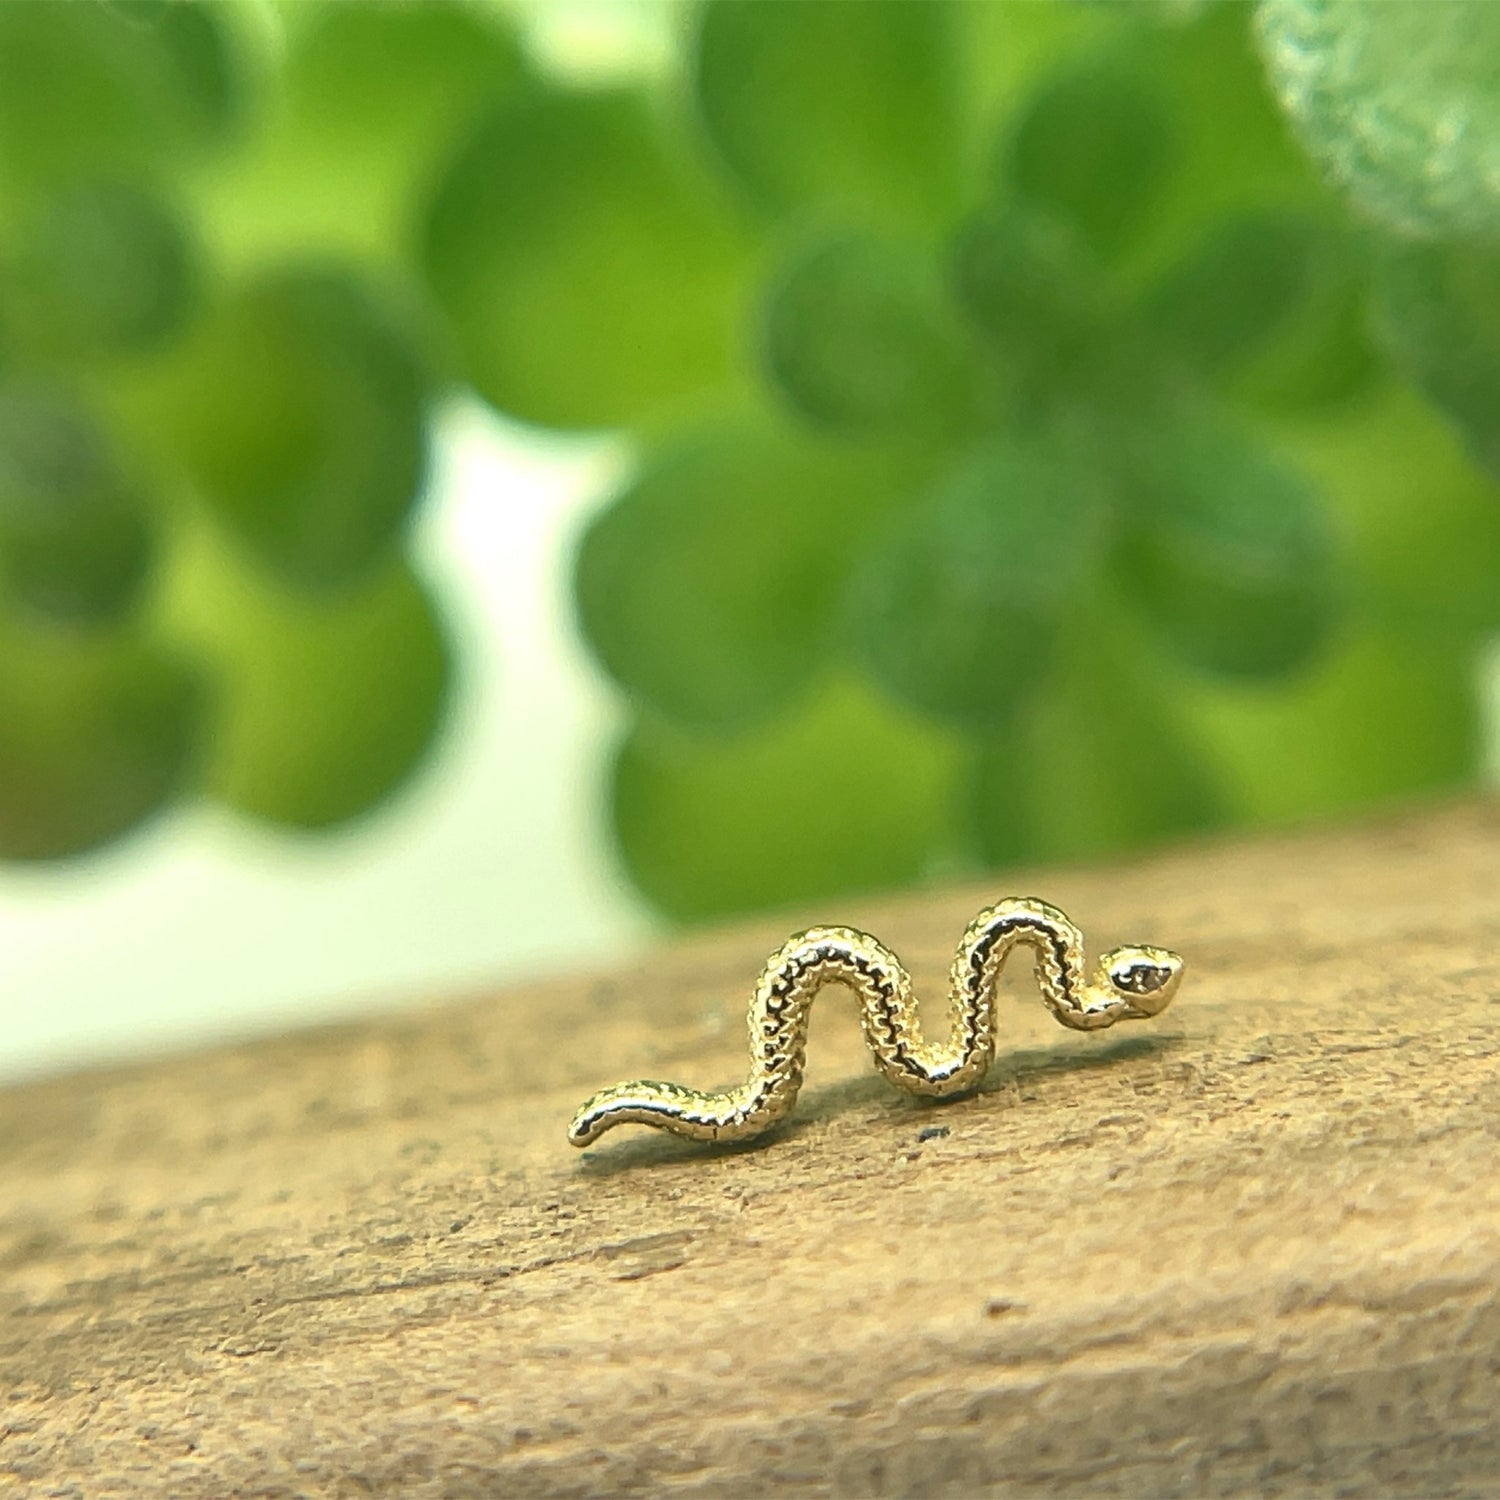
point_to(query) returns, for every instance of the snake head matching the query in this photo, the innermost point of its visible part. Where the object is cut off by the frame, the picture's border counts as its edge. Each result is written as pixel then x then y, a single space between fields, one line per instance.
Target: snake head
pixel 1145 978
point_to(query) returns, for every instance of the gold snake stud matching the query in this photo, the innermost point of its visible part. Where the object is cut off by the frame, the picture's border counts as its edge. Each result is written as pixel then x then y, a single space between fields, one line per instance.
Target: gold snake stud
pixel 1130 984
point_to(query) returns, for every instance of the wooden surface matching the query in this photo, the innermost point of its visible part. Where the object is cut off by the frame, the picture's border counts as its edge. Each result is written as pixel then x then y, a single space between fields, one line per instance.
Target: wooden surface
pixel 1251 1248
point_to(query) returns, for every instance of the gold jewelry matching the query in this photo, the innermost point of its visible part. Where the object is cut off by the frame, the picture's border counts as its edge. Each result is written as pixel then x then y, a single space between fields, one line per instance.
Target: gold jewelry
pixel 1130 984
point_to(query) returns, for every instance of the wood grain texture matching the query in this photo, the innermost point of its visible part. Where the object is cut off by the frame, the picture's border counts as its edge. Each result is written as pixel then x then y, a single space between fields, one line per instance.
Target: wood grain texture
pixel 1253 1248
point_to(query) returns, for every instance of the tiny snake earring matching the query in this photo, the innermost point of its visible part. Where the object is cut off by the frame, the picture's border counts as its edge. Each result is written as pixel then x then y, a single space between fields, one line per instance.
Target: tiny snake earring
pixel 1130 984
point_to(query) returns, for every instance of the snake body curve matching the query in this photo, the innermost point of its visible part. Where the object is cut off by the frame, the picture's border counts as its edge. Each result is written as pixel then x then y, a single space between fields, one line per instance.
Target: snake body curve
pixel 1130 983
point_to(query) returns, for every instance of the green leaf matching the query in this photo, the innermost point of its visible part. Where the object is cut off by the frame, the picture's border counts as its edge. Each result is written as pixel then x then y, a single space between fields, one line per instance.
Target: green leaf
pixel 708 587
pixel 325 707
pixel 1230 150
pixel 1094 150
pixel 956 609
pixel 858 338
pixel 1028 283
pixel 1399 103
pixel 1003 52
pixel 845 796
pixel 1271 307
pixel 1228 552
pixel 1440 318
pixel 373 100
pixel 1381 717
pixel 95 736
pixel 1060 338
pixel 589 277
pixel 84 88
pixel 76 539
pixel 105 268
pixel 1099 763
pixel 299 413
pixel 848 108
pixel 142 12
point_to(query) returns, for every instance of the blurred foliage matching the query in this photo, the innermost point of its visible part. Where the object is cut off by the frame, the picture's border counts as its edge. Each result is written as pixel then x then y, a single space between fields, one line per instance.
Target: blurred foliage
pixel 1060 426
pixel 1401 105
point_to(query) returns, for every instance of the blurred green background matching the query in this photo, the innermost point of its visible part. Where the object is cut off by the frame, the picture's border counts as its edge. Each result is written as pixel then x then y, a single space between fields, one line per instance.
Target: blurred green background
pixel 1054 427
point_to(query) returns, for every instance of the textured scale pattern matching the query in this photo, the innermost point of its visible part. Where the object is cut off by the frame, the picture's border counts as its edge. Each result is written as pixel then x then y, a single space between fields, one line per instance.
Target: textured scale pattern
pixel 1131 983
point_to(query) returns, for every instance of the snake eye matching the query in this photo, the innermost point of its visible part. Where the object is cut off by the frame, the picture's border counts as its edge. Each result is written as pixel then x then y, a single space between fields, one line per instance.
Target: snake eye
pixel 1140 976
pixel 1146 976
